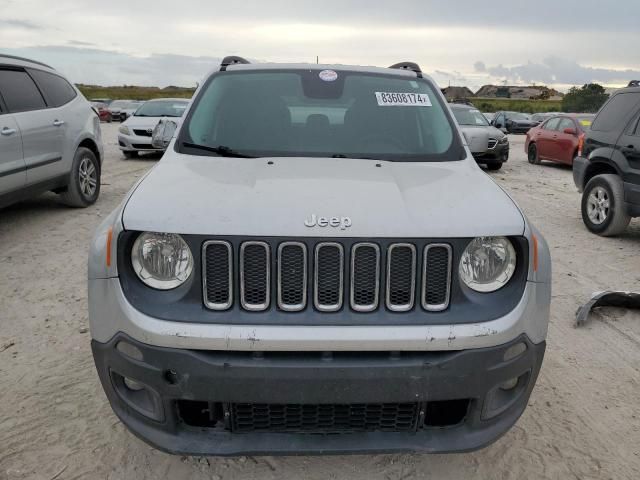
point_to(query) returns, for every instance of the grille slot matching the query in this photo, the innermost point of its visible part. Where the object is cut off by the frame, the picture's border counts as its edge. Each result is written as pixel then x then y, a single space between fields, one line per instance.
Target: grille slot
pixel 324 418
pixel 217 260
pixel 401 277
pixel 436 277
pixel 365 277
pixel 492 143
pixel 329 277
pixel 142 133
pixel 255 276
pixel 292 276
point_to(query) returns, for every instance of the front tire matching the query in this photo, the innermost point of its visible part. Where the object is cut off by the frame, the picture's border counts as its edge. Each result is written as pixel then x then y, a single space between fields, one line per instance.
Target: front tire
pixel 603 211
pixel 84 181
pixel 532 155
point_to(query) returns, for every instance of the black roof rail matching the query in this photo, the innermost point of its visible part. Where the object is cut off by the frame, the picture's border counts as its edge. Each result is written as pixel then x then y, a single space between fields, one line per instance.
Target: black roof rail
pixel 232 60
pixel 634 83
pixel 414 67
pixel 22 59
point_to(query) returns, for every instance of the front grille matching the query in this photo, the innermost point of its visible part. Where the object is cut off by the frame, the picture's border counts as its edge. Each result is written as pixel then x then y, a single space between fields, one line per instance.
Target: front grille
pixel 401 277
pixel 492 143
pixel 142 133
pixel 329 277
pixel 324 418
pixel 436 277
pixel 365 276
pixel 395 276
pixel 255 276
pixel 292 276
pixel 218 277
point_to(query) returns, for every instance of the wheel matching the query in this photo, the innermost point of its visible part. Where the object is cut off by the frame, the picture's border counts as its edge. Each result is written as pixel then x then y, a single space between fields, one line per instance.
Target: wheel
pixel 130 155
pixel 494 167
pixel 532 155
pixel 84 181
pixel 603 210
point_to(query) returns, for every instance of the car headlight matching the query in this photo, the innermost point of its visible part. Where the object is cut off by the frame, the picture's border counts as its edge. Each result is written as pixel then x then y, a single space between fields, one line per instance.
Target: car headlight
pixel 504 140
pixel 162 260
pixel 487 264
pixel 124 130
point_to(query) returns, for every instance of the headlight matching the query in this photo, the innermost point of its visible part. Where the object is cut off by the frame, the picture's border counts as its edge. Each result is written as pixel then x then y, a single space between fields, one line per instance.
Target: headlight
pixel 162 260
pixel 124 130
pixel 504 140
pixel 487 264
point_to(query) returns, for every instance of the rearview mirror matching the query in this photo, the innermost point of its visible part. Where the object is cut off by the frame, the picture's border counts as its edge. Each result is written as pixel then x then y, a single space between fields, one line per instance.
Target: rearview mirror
pixel 570 131
pixel 163 133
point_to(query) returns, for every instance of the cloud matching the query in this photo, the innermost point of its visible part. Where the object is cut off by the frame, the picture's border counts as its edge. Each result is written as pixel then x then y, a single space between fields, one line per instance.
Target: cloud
pixel 479 67
pixel 81 44
pixel 556 70
pixel 25 24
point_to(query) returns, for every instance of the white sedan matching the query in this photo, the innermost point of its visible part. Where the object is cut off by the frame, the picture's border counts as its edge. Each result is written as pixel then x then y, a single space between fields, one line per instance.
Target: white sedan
pixel 134 135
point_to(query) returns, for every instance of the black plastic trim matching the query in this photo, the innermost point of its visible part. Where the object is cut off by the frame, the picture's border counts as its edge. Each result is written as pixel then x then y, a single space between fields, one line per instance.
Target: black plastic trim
pixel 185 303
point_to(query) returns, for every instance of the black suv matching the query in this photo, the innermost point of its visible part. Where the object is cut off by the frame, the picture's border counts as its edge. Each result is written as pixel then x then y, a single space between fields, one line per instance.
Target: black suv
pixel 513 122
pixel 607 169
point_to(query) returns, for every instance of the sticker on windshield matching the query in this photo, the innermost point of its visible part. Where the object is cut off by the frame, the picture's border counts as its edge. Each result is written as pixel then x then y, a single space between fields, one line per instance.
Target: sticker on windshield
pixel 328 75
pixel 585 123
pixel 403 99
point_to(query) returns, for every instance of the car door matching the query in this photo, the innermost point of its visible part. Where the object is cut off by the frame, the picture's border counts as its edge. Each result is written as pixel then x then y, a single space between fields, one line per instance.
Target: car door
pixel 12 167
pixel 545 137
pixel 564 147
pixel 629 146
pixel 42 135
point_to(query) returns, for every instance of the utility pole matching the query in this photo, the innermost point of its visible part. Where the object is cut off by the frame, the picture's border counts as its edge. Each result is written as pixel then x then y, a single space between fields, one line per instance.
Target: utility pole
pixel 317 59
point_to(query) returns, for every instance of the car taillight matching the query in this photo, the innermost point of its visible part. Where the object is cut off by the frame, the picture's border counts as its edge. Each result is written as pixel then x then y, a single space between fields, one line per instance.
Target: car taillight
pixel 580 144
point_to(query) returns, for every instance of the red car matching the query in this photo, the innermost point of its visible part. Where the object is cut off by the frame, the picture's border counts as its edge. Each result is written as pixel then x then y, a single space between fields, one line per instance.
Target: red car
pixel 558 139
pixel 103 111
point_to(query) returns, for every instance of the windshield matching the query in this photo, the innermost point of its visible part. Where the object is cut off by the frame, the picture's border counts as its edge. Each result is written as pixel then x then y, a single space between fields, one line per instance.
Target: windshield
pixel 322 114
pixel 162 108
pixel 469 117
pixel 517 116
pixel 133 105
pixel 120 103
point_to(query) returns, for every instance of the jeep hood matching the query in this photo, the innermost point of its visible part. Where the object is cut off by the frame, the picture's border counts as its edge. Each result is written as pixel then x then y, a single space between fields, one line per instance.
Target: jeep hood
pixel 274 196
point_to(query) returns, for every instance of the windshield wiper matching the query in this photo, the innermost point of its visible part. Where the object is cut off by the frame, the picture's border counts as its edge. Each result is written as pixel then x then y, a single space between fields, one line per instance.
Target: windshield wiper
pixel 221 150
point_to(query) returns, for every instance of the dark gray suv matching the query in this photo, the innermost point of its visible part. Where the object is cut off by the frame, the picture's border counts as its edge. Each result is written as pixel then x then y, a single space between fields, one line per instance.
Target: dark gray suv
pixel 50 136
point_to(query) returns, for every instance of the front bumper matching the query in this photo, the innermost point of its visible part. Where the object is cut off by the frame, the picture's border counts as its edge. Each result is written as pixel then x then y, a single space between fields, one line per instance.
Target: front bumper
pixel 136 143
pixel 190 396
pixel 497 154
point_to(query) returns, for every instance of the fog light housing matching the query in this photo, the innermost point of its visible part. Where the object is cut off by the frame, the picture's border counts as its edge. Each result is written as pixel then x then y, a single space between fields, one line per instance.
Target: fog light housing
pixel 509 384
pixel 133 385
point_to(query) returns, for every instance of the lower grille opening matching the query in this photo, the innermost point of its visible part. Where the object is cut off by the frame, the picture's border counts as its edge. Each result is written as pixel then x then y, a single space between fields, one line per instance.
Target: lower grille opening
pixel 446 413
pixel 201 414
pixel 324 418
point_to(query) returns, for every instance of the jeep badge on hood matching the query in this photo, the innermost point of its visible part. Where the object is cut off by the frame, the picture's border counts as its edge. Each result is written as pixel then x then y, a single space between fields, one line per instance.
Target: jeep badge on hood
pixel 342 222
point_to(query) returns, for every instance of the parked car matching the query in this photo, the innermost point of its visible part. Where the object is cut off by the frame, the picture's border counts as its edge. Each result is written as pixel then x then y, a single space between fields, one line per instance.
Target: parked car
pixel 103 111
pixel 488 145
pixel 101 100
pixel 134 135
pixel 557 139
pixel 513 122
pixel 49 136
pixel 489 116
pixel 115 109
pixel 129 110
pixel 607 168
pixel 539 118
pixel 302 209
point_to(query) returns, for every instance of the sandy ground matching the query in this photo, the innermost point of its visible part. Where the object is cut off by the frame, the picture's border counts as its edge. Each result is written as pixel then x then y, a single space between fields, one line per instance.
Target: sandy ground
pixel 583 420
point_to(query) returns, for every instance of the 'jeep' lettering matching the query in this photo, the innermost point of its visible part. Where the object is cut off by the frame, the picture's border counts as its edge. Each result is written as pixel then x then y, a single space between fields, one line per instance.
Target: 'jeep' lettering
pixel 336 222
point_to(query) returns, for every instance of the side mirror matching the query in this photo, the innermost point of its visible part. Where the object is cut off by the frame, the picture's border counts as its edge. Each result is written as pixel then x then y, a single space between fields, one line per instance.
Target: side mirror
pixel 570 131
pixel 163 133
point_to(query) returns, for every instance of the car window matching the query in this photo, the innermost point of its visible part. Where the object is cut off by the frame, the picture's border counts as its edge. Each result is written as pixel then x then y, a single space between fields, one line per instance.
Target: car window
pixel 19 92
pixel 637 124
pixel 566 123
pixel 469 117
pixel 309 113
pixel 552 124
pixel 162 108
pixel 56 89
pixel 615 112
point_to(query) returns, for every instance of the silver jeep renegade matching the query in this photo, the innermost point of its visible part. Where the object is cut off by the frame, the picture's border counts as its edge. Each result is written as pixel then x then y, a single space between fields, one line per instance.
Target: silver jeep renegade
pixel 317 265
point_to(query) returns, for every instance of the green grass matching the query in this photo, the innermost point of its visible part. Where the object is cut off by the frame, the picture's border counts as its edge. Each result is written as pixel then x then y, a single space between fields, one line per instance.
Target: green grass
pixel 516 105
pixel 134 92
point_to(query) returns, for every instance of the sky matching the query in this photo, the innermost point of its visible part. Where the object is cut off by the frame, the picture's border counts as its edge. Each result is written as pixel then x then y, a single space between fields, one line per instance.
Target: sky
pixel 458 42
